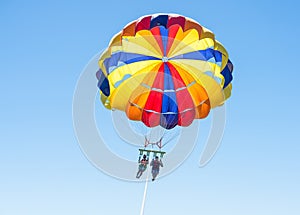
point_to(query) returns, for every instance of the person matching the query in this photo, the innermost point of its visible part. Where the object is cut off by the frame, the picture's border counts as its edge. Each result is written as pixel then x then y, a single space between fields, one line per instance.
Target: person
pixel 142 166
pixel 156 164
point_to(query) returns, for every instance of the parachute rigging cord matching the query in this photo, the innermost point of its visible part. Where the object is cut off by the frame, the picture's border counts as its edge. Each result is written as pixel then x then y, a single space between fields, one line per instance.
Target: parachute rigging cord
pixel 157 136
pixel 158 143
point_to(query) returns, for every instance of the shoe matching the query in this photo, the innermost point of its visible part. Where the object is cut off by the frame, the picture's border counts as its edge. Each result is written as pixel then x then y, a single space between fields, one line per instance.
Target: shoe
pixel 153 179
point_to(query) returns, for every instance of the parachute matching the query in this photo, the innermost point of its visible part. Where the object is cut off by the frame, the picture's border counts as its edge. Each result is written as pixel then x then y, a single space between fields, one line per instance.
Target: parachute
pixel 164 70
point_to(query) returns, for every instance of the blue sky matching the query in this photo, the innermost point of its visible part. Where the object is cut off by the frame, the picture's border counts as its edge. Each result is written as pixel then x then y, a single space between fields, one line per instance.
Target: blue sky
pixel 44 46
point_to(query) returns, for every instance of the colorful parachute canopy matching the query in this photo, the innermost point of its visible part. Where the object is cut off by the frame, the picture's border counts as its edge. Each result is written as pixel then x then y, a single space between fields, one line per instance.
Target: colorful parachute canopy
pixel 164 70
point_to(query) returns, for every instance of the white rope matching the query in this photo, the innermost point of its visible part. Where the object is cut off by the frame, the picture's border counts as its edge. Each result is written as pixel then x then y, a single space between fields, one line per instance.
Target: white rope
pixel 145 193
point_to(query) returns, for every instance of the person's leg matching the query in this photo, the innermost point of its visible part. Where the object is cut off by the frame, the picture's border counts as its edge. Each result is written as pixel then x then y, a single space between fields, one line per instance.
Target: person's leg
pixel 154 174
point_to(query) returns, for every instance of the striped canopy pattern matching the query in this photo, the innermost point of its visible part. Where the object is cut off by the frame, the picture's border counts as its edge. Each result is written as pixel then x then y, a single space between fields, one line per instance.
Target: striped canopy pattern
pixel 165 70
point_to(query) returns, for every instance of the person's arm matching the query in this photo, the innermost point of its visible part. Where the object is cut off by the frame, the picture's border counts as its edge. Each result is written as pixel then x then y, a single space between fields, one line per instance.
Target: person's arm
pixel 161 164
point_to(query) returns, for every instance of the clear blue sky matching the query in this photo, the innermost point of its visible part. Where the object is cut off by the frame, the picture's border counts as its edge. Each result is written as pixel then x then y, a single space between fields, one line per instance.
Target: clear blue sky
pixel 44 45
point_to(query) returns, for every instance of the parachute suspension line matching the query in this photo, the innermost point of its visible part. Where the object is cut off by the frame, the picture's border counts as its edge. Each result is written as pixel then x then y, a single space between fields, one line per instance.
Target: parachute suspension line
pixel 167 138
pixel 158 143
pixel 155 152
pixel 166 135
